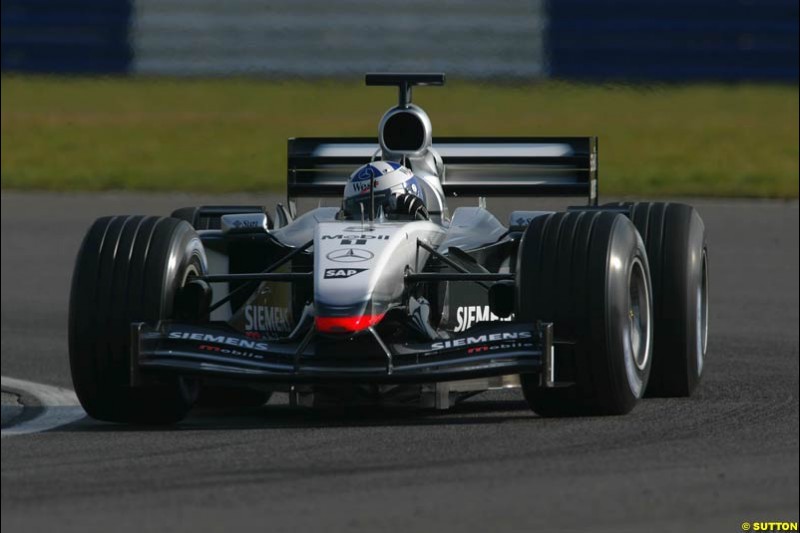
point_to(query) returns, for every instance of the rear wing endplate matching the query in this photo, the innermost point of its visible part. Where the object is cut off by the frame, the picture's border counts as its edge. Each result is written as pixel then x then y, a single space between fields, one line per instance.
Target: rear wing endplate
pixel 474 166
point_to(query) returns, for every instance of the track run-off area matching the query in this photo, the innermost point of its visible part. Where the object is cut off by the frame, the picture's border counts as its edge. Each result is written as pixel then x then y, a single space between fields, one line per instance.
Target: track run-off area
pixel 727 455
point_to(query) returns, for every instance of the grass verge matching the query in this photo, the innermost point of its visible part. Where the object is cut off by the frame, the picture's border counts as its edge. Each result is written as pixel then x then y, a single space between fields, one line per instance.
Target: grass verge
pixel 226 135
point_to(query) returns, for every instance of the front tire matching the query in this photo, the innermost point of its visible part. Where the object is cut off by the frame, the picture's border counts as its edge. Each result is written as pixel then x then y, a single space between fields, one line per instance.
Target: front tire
pixel 587 273
pixel 129 269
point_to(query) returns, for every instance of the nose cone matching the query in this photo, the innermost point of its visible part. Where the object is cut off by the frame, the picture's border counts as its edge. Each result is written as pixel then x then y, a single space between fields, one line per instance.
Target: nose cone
pixel 358 274
pixel 346 324
pixel 359 270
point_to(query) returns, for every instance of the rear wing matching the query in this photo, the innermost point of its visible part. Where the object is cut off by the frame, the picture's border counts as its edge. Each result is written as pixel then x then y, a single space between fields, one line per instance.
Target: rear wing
pixel 474 166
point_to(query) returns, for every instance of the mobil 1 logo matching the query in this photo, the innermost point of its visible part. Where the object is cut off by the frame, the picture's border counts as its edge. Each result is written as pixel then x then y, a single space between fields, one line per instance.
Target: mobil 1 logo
pixel 339 273
pixel 355 239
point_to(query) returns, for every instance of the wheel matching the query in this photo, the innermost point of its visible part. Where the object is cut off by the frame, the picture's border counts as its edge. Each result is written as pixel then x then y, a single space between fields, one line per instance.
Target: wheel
pixel 587 273
pixel 221 397
pixel 675 238
pixel 212 396
pixel 129 269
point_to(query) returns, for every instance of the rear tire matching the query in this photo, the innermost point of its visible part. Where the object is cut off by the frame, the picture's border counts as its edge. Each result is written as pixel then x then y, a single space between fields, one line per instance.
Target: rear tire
pixel 129 269
pixel 587 273
pixel 674 235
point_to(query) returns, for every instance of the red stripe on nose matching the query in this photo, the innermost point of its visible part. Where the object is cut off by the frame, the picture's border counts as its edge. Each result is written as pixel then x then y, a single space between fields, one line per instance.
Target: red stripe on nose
pixel 346 324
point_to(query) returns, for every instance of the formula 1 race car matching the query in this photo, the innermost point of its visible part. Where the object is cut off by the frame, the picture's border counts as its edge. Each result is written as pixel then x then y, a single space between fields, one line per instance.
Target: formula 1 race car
pixel 391 298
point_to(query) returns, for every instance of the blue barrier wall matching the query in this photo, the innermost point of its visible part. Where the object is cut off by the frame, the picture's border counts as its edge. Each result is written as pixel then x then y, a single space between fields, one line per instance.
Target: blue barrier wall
pixel 66 36
pixel 471 38
pixel 616 40
pixel 673 40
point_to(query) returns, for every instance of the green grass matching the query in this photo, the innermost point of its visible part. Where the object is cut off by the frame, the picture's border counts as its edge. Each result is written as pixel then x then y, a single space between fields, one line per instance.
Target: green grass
pixel 230 135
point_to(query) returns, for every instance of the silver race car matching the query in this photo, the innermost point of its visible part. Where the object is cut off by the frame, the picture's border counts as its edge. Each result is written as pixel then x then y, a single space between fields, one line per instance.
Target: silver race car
pixel 392 298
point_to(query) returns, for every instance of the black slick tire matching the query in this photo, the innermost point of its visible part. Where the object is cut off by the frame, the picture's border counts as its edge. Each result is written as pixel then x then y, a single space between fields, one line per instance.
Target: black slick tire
pixel 675 238
pixel 129 269
pixel 587 273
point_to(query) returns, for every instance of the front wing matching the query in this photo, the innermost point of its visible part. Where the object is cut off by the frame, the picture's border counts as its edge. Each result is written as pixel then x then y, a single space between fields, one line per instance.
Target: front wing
pixel 216 350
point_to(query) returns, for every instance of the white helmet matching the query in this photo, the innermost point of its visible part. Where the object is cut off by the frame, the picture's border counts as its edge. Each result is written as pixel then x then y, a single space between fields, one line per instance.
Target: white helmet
pixel 396 189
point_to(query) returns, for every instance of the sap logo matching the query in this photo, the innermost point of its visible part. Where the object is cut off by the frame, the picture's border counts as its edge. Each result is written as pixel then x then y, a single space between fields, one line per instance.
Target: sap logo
pixel 472 314
pixel 338 273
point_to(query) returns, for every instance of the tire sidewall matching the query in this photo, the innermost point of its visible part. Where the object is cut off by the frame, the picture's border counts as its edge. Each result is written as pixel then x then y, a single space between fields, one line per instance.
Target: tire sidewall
pixel 185 257
pixel 626 378
pixel 693 273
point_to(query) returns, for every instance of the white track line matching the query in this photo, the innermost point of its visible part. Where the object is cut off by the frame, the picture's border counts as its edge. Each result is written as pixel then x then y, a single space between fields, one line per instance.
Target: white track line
pixel 59 407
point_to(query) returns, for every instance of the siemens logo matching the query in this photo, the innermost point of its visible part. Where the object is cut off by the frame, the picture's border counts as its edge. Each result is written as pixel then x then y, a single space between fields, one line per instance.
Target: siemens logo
pixel 267 318
pixel 482 339
pixel 219 339
pixel 472 314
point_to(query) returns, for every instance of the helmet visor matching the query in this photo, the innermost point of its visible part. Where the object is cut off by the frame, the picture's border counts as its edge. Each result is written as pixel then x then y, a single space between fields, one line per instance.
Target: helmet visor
pixel 357 206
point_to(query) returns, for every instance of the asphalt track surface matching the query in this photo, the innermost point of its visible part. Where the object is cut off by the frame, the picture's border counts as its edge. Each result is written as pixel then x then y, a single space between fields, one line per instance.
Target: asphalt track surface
pixel 728 454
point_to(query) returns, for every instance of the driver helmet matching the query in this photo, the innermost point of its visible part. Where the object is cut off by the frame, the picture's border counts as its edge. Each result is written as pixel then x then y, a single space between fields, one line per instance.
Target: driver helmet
pixel 392 180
